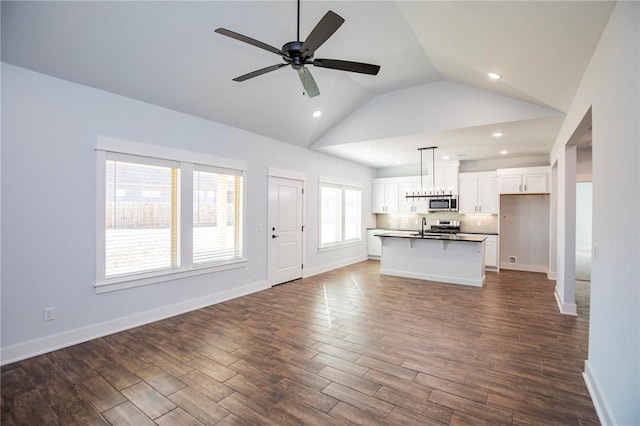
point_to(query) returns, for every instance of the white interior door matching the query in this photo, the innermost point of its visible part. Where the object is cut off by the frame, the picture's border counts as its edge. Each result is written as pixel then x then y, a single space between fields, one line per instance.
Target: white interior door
pixel 285 230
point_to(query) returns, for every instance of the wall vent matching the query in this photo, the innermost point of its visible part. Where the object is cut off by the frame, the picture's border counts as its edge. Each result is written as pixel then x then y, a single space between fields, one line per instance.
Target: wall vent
pixel 513 259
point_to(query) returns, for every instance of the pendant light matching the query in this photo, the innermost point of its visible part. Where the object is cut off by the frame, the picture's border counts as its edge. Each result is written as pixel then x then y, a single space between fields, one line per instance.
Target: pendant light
pixel 433 191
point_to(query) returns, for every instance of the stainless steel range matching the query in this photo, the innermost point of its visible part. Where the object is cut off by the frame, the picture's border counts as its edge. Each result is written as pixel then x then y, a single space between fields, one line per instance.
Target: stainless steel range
pixel 445 227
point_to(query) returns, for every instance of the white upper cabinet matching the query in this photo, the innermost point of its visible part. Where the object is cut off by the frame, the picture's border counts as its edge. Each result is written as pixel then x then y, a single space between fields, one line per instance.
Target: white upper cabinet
pixel 390 194
pixel 385 197
pixel 412 205
pixel 447 179
pixel 479 193
pixel 525 180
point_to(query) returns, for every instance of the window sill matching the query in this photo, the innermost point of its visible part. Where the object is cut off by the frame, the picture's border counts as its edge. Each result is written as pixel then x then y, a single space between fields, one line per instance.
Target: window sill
pixel 338 246
pixel 130 281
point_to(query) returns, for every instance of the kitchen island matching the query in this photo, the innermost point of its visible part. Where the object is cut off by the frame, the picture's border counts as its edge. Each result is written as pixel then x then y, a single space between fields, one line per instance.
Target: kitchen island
pixel 434 257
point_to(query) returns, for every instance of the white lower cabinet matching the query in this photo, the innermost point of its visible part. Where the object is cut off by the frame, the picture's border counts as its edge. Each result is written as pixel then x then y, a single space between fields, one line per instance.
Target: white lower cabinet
pixel 491 248
pixel 374 244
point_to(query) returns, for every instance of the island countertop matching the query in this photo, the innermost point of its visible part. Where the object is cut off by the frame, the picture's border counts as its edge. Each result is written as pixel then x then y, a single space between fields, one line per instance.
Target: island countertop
pixel 431 236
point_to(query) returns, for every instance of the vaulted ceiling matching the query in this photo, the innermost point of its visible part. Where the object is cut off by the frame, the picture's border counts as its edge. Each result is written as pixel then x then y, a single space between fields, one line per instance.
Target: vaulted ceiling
pixel 432 88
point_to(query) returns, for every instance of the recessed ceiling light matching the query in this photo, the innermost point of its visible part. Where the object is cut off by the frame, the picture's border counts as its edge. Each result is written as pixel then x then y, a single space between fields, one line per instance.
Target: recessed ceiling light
pixel 446 157
pixel 494 76
pixel 497 134
pixel 367 150
pixel 317 113
pixel 397 161
pixel 504 152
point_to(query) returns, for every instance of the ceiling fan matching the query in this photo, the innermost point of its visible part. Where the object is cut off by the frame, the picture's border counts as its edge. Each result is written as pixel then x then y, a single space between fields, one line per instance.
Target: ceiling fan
pixel 298 53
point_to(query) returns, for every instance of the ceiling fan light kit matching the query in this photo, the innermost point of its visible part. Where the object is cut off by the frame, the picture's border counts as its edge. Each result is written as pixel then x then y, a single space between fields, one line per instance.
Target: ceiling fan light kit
pixel 298 53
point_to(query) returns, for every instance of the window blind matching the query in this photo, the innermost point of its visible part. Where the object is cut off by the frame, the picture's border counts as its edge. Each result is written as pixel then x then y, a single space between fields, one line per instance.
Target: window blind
pixel 216 216
pixel 140 217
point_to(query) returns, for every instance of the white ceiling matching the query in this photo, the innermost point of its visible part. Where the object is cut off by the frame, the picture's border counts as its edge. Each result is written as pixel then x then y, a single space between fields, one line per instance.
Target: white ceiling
pixel 167 54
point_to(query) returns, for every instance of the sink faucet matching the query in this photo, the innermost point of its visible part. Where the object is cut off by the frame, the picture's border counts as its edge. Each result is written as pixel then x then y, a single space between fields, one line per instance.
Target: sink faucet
pixel 424 223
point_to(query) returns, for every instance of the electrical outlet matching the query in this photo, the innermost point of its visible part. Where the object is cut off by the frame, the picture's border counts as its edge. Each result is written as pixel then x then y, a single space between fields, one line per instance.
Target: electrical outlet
pixel 513 259
pixel 49 314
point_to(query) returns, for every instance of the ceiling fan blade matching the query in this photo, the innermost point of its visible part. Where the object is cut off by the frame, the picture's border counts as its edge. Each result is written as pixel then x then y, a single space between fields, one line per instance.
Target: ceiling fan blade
pixel 337 64
pixel 324 29
pixel 308 82
pixel 259 72
pixel 251 41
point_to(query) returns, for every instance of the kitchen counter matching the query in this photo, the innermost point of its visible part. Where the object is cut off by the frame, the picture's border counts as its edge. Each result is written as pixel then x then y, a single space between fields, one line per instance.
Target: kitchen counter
pixel 447 258
pixel 430 236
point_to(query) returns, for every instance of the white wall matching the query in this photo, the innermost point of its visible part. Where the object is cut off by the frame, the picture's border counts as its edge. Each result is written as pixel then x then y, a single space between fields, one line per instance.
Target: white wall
pixel 524 232
pixel 584 165
pixel 48 209
pixel 583 215
pixel 611 88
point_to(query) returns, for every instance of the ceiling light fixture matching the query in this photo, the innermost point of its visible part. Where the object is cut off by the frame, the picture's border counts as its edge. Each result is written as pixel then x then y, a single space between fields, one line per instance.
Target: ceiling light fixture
pixel 504 152
pixel 446 157
pixel 317 113
pixel 367 150
pixel 433 191
pixel 497 134
pixel 494 76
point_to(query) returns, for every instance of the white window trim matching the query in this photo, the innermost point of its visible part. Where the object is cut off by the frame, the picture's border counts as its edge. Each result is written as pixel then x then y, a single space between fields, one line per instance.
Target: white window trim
pixel 187 161
pixel 342 184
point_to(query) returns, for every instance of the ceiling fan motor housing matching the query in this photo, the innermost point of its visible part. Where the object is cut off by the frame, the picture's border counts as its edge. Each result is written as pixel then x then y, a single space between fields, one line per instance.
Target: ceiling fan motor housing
pixel 293 50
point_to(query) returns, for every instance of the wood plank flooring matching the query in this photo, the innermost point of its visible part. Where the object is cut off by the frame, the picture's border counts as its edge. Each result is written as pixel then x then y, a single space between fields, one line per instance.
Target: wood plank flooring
pixel 345 347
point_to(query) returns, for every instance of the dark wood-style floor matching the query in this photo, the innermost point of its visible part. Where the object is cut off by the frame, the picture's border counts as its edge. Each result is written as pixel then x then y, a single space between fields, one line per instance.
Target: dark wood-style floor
pixel 348 346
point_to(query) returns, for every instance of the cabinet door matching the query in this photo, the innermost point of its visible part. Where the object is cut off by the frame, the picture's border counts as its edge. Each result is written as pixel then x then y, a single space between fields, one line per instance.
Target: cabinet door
pixel 374 245
pixel 450 179
pixel 510 184
pixel 406 205
pixel 446 179
pixel 490 254
pixel 378 198
pixel 392 197
pixel 468 196
pixel 488 197
pixel 535 183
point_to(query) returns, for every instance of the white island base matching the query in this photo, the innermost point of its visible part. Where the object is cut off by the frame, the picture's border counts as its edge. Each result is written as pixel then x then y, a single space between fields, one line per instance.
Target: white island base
pixel 455 261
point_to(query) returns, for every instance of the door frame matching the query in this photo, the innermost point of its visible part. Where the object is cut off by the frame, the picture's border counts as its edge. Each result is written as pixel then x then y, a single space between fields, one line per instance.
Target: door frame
pixel 293 175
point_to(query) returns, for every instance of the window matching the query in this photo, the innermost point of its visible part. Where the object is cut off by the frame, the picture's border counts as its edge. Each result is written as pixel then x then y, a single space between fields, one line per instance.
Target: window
pixel 340 213
pixel 216 230
pixel 160 218
pixel 141 225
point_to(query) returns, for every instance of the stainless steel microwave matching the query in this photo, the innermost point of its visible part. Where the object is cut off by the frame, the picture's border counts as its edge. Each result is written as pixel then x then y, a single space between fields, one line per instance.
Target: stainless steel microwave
pixel 445 204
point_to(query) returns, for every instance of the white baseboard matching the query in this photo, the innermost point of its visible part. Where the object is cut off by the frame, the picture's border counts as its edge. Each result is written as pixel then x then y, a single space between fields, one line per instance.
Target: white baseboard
pixel 523 267
pixel 551 275
pixel 565 308
pixel 330 267
pixel 69 338
pixel 605 415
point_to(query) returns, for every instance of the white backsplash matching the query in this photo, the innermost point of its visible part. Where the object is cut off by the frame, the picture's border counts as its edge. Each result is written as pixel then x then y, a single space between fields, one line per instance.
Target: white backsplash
pixel 468 223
